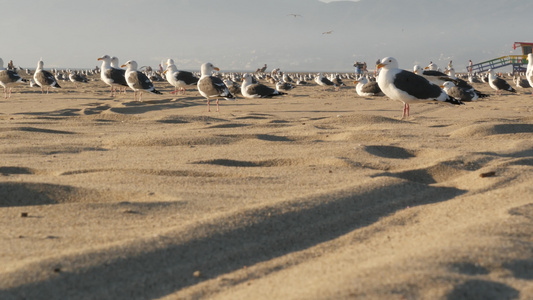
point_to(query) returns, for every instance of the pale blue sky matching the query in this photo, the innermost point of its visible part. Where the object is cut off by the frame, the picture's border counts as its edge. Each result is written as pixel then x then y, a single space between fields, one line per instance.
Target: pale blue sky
pixel 245 34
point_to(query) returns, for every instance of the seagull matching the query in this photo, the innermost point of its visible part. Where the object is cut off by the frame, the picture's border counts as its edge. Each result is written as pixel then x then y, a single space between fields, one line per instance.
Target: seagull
pixel 408 87
pixel 432 67
pixel 433 76
pixel 337 81
pixel 8 78
pixel 459 93
pixel 327 32
pixel 212 87
pixel 473 79
pixel 529 70
pixel 75 77
pixel 440 78
pixel 301 81
pixel 284 86
pixel 365 88
pixel 137 81
pixel 44 78
pixel 257 90
pixel 233 87
pixel 111 75
pixel 521 83
pixel 499 84
pixel 323 81
pixel 294 15
pixel 178 79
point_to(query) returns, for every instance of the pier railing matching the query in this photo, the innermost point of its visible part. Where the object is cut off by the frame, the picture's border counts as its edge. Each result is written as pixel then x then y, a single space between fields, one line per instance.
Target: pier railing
pixel 517 61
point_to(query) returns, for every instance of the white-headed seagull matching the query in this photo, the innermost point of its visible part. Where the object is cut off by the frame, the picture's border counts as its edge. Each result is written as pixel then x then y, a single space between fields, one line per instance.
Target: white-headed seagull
pixel 212 87
pixel 44 78
pixel 138 81
pixel 408 87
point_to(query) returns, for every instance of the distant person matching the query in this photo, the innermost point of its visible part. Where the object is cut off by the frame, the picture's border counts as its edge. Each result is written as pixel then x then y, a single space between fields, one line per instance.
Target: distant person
pixel 470 66
pixel 357 69
pixel 365 70
pixel 10 65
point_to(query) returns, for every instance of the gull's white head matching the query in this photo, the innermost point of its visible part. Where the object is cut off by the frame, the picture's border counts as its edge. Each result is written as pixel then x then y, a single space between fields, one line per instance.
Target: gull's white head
pixel 388 63
pixel 208 68
pixel 105 58
pixel 130 64
pixel 417 69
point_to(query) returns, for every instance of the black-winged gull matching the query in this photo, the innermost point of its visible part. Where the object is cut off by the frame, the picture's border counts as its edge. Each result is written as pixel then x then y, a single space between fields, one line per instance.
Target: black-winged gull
pixel 212 87
pixel 408 87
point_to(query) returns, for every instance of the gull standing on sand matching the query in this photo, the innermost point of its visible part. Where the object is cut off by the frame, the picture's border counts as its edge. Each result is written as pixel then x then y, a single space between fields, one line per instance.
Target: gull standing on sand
pixel 137 81
pixel 8 78
pixel 498 84
pixel 44 78
pixel 408 87
pixel 212 87
pixel 178 79
pixel 257 90
pixel 111 75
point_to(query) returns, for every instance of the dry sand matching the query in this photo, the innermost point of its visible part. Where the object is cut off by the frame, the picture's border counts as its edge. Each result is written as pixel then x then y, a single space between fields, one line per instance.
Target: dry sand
pixel 315 195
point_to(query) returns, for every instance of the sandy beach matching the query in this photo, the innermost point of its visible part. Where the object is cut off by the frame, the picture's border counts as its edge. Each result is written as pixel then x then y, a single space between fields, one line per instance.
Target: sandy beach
pixel 313 195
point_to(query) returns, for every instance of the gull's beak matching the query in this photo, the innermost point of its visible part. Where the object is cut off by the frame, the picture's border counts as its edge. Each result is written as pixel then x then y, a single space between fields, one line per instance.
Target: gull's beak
pixel 426 68
pixel 217 69
pixel 165 72
pixel 99 58
pixel 123 66
pixel 356 82
pixel 380 66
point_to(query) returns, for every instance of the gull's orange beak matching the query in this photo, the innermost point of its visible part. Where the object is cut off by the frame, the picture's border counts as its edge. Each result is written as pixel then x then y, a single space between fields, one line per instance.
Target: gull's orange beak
pixel 217 69
pixel 164 72
pixel 356 82
pixel 123 66
pixel 426 68
pixel 99 58
pixel 380 66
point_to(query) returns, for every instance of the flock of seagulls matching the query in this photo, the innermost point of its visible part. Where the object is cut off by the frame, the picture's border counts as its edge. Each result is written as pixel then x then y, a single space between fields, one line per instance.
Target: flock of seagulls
pixel 420 85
